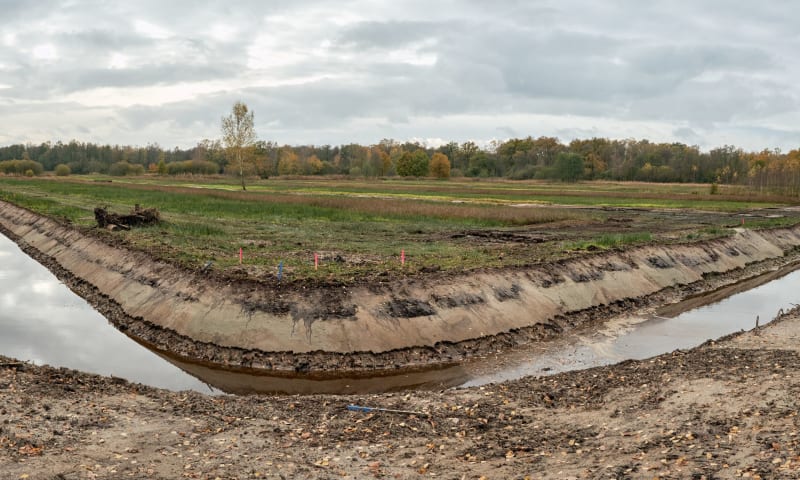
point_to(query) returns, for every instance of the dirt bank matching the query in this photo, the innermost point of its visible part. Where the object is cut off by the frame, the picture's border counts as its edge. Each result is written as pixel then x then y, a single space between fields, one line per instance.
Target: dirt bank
pixel 409 323
pixel 727 409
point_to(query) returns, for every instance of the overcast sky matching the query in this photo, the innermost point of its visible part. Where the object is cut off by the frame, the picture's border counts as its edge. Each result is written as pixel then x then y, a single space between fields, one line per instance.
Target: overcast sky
pixel 700 72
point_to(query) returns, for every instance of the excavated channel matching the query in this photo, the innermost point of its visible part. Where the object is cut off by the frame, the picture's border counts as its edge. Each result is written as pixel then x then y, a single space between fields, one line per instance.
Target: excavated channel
pixel 44 322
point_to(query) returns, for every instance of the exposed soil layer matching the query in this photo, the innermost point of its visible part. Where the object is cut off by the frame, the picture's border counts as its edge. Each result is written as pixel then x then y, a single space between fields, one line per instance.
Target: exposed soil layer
pixel 726 409
pixel 407 324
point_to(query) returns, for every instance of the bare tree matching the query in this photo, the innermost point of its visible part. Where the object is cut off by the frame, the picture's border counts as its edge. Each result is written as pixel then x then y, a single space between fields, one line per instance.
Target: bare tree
pixel 238 134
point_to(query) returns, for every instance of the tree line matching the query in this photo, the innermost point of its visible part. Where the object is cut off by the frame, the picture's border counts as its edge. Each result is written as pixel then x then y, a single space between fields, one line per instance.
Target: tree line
pixel 518 158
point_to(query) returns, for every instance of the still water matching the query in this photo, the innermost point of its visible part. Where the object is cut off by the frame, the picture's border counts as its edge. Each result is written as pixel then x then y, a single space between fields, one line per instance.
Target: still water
pixel 681 326
pixel 44 322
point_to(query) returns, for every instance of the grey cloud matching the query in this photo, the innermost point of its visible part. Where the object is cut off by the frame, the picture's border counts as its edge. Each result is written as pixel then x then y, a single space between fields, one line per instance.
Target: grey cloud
pixel 376 34
pixel 15 10
pixel 691 60
pixel 72 81
pixel 724 100
pixel 687 135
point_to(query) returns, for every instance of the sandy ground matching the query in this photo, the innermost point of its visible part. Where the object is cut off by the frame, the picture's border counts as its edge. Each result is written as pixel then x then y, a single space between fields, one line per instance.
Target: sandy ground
pixel 727 409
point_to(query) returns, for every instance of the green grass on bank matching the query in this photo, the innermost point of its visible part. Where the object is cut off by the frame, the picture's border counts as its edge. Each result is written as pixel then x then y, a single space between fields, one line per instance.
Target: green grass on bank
pixel 359 228
pixel 610 240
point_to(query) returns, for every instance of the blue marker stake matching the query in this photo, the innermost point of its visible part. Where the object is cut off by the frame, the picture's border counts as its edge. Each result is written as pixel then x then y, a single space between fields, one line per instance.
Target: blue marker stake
pixel 280 270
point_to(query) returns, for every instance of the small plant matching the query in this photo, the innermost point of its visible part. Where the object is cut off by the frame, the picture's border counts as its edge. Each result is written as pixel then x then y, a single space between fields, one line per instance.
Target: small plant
pixel 714 190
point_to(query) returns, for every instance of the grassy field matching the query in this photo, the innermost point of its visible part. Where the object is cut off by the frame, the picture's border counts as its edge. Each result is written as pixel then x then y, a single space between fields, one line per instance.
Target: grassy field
pixel 359 228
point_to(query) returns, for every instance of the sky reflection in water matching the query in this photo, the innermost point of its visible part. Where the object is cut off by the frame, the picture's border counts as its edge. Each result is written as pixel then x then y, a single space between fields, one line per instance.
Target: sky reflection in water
pixel 44 322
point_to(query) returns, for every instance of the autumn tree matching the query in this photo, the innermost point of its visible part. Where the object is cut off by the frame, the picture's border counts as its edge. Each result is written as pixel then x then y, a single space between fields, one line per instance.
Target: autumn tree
pixel 288 164
pixel 312 165
pixel 238 134
pixel 440 165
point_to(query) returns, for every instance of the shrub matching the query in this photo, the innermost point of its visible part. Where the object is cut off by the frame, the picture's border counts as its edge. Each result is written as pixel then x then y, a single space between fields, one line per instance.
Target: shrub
pixel 21 167
pixel 120 169
pixel 197 167
pixel 62 170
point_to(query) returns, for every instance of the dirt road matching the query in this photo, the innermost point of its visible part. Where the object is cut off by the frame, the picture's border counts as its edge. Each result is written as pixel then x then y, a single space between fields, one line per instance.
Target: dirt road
pixel 726 409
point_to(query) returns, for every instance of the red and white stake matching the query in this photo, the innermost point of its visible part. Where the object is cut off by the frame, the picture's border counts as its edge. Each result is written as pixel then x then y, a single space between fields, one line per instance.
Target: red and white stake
pixel 316 261
pixel 402 257
pixel 241 255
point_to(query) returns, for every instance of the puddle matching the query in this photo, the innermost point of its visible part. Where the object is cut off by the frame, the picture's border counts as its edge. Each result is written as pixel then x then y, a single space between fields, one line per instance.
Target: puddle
pixel 44 322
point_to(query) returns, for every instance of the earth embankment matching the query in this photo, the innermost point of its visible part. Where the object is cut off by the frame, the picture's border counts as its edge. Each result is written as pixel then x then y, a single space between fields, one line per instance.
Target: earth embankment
pixel 409 322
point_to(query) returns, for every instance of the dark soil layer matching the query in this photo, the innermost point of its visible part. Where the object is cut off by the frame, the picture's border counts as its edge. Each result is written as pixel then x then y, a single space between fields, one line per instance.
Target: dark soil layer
pixel 725 409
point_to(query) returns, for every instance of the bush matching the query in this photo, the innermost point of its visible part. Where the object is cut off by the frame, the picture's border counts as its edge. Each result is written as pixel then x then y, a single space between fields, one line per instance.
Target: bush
pixel 62 170
pixel 524 172
pixel 197 167
pixel 120 169
pixel 21 167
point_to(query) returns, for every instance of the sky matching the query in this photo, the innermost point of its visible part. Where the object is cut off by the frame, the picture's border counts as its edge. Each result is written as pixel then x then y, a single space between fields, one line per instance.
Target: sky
pixel 701 72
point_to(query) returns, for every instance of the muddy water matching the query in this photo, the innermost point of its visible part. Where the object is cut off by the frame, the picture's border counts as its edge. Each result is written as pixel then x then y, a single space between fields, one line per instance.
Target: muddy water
pixel 44 322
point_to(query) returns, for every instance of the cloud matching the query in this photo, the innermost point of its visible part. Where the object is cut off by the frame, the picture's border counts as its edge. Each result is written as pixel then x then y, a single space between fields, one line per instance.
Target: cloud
pixel 316 71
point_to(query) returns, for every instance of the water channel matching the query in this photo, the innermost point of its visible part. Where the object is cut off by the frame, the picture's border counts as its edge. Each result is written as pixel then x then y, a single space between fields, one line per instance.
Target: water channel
pixel 44 322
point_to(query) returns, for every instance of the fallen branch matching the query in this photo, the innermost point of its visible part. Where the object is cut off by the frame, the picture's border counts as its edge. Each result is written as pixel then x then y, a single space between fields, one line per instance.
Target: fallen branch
pixel 136 218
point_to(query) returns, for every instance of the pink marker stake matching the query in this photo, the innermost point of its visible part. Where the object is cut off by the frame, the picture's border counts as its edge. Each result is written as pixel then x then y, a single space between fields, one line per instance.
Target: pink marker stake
pixel 742 220
pixel 316 261
pixel 402 257
pixel 240 255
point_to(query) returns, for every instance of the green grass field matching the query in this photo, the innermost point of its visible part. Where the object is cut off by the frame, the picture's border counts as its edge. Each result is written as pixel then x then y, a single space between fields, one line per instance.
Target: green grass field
pixel 359 228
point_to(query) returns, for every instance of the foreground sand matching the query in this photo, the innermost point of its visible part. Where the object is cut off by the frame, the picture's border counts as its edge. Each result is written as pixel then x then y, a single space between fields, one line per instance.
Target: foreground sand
pixel 723 410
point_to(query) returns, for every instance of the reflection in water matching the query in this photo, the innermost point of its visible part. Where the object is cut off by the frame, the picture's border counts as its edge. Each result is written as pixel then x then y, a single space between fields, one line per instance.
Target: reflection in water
pixel 244 382
pixel 44 322
pixel 639 338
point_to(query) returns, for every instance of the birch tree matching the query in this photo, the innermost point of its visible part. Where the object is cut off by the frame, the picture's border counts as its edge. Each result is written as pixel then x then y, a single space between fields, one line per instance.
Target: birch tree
pixel 238 134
